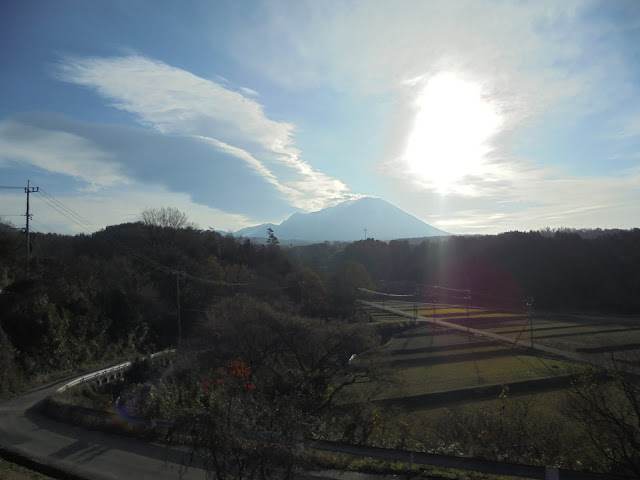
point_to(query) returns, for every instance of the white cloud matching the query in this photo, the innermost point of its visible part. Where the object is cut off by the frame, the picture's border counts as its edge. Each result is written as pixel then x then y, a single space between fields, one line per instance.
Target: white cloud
pixel 13 206
pixel 58 152
pixel 370 46
pixel 256 165
pixel 174 101
pixel 112 206
pixel 630 129
pixel 538 202
pixel 529 59
pixel 248 91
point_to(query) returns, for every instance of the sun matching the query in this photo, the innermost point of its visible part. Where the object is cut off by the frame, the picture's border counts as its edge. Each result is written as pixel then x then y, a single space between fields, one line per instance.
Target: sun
pixel 449 137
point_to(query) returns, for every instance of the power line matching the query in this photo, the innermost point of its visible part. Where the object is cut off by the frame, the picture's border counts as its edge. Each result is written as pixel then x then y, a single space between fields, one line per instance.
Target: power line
pixel 215 282
pixel 86 225
pixel 385 294
pixel 61 212
pixel 448 293
pixel 82 220
pixel 442 287
pixel 42 224
pixel 476 293
pixel 91 228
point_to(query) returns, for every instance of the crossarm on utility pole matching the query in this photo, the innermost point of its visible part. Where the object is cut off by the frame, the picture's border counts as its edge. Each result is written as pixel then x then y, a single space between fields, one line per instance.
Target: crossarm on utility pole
pixel 28 190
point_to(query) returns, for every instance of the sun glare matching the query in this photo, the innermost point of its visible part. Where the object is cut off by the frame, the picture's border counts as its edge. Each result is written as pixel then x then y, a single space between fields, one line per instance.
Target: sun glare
pixel 450 132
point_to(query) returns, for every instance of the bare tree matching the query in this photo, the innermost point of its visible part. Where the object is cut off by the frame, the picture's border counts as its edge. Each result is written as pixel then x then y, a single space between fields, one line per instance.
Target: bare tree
pixel 166 217
pixel 606 405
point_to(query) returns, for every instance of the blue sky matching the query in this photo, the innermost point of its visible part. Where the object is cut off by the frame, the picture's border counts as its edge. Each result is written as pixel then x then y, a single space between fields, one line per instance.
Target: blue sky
pixel 476 117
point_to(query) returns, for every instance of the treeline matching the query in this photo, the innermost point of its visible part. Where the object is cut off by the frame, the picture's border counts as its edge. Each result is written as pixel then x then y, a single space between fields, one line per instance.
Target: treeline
pixel 93 297
pixel 566 270
pixel 90 298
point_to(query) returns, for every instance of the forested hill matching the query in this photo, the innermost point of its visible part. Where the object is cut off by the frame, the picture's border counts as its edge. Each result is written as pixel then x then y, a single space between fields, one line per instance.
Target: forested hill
pixel 112 293
pixel 94 297
pixel 561 270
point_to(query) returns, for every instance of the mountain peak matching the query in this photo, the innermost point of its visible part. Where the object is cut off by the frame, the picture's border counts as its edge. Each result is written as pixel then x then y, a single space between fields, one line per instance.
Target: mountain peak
pixel 347 222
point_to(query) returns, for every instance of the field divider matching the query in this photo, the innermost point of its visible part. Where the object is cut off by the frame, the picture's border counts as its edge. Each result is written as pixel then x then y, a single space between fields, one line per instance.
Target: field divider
pixel 487 391
pixel 469 330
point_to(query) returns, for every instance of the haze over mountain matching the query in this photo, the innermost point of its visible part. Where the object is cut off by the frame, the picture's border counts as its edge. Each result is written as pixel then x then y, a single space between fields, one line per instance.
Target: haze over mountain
pixel 347 222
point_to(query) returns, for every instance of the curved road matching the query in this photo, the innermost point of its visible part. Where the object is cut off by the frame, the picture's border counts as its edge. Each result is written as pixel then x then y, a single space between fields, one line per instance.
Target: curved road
pixel 86 453
pixel 102 456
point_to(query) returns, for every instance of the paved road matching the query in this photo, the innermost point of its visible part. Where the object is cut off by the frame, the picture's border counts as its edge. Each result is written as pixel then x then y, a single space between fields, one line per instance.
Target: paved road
pixel 101 456
pixel 87 453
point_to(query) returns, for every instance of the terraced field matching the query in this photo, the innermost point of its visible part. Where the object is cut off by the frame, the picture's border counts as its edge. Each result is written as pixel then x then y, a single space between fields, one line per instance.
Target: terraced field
pixel 586 334
pixel 434 365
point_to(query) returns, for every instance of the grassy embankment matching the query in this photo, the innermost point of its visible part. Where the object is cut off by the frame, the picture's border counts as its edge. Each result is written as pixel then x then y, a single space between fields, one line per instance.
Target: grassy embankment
pixel 11 471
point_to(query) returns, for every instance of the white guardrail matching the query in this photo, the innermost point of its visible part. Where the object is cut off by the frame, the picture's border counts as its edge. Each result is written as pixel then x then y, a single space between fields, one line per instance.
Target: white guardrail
pixel 106 372
pixel 446 461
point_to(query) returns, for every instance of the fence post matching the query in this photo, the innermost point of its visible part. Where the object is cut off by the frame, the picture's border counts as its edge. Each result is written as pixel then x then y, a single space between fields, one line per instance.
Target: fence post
pixel 410 462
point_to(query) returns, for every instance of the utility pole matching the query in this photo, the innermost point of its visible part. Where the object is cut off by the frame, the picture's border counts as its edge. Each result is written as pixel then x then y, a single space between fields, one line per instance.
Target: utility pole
pixel 434 299
pixel 530 301
pixel 467 299
pixel 178 274
pixel 529 322
pixel 365 233
pixel 28 190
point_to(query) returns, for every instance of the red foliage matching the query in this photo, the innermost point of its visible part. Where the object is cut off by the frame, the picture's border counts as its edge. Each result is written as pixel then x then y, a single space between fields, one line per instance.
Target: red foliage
pixel 237 368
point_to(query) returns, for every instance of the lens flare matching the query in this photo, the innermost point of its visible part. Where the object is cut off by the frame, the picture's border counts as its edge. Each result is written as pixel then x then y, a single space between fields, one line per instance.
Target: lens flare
pixel 449 138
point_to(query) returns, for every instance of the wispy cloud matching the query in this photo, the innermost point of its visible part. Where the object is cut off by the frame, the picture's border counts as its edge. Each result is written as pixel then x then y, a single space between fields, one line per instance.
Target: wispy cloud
pixel 544 201
pixel 529 60
pixel 630 128
pixel 60 152
pixel 365 47
pixel 174 101
pixel 212 173
pixel 248 91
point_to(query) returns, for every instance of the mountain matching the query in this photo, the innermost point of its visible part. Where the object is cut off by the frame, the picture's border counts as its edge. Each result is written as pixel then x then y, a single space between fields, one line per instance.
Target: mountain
pixel 259 231
pixel 347 222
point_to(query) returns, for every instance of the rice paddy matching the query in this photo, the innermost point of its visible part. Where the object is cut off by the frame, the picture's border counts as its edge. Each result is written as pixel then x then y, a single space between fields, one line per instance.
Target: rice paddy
pixel 435 365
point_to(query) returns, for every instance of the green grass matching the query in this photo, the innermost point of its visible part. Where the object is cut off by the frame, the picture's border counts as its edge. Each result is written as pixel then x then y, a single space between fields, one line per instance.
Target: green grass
pixel 451 376
pixel 416 374
pixel 468 350
pixel 548 404
pixel 423 340
pixel 505 329
pixel 12 471
pixel 594 340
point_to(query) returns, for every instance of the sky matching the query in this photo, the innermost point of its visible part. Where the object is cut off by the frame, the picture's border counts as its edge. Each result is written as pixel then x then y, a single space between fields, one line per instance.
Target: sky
pixel 476 117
